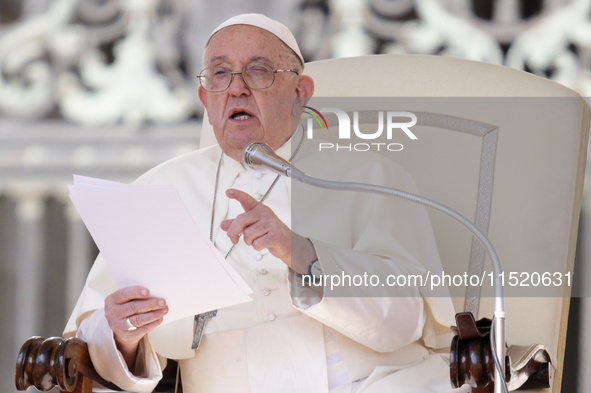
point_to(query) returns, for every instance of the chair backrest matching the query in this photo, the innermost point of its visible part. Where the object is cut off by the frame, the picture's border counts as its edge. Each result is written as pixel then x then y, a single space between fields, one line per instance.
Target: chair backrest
pixel 503 147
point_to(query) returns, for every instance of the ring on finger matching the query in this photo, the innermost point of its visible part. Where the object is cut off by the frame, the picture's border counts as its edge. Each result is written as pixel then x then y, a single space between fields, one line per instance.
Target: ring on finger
pixel 130 326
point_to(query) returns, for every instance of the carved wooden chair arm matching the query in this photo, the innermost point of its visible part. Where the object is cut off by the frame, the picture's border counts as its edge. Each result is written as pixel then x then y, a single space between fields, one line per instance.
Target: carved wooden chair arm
pixel 471 359
pixel 65 362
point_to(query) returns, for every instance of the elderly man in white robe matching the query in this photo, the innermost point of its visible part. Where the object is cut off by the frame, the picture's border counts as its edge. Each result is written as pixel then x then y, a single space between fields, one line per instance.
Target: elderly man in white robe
pixel 290 338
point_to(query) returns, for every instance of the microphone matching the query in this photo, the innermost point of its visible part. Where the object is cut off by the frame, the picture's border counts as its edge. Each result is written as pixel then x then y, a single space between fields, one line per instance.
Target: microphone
pixel 259 155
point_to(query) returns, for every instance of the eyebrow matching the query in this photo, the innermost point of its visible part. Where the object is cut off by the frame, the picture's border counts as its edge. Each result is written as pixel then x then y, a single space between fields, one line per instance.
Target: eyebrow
pixel 254 59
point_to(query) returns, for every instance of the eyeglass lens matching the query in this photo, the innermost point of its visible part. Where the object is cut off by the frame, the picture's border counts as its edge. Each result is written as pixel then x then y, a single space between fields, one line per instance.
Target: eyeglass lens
pixel 219 78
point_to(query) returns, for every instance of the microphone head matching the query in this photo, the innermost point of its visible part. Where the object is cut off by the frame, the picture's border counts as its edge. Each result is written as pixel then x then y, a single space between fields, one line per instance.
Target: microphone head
pixel 259 155
pixel 252 153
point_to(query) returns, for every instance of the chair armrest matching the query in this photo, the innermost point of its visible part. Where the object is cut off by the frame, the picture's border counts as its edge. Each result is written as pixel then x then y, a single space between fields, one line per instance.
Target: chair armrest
pixel 65 362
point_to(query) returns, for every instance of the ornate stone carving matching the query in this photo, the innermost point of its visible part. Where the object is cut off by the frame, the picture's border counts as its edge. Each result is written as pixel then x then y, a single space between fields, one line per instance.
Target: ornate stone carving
pixel 60 59
pixel 132 62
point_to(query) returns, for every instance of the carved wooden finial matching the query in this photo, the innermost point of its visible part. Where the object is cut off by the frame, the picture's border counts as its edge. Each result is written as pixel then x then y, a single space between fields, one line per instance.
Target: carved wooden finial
pixel 65 362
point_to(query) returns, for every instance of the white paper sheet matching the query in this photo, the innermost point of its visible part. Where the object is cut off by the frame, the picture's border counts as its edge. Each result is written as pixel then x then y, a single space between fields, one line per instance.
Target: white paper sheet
pixel 148 237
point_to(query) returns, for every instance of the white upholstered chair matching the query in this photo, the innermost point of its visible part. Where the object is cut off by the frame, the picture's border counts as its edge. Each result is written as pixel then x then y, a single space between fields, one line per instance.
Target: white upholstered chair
pixel 510 158
pixel 504 148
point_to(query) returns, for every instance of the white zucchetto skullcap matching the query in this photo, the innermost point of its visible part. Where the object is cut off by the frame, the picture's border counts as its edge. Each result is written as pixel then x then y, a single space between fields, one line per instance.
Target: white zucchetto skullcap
pixel 265 23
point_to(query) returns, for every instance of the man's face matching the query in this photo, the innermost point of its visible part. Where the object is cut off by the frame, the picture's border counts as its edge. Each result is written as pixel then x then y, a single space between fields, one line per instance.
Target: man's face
pixel 240 115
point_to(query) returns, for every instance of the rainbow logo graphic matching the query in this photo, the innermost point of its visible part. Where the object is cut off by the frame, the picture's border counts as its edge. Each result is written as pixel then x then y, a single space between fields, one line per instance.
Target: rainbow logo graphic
pixel 316 115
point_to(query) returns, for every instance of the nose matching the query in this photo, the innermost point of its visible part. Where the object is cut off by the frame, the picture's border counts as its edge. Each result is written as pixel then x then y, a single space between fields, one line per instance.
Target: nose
pixel 237 85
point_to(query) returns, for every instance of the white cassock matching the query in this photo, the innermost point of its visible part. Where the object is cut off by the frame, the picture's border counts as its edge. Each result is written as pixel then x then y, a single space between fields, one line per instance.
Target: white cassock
pixel 355 338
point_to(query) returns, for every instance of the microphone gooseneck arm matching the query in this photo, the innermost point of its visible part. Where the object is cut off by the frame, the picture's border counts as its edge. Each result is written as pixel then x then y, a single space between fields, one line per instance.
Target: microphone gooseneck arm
pixel 259 155
pixel 298 175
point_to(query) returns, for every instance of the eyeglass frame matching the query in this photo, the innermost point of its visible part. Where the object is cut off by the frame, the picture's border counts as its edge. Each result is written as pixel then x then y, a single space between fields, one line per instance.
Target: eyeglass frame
pixel 232 73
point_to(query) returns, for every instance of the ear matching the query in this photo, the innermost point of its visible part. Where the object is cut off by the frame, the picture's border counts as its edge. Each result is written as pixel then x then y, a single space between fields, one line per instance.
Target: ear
pixel 305 88
pixel 202 95
pixel 203 98
pixel 304 91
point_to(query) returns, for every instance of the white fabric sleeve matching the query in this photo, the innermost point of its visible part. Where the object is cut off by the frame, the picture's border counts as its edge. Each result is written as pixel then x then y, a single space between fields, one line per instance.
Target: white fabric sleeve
pixel 381 323
pixel 109 362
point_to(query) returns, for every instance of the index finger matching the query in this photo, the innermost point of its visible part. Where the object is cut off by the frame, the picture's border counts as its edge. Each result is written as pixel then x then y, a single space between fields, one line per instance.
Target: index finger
pixel 127 294
pixel 247 202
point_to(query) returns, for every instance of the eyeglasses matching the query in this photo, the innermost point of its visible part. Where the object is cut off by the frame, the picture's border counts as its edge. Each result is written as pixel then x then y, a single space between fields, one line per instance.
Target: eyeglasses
pixel 255 76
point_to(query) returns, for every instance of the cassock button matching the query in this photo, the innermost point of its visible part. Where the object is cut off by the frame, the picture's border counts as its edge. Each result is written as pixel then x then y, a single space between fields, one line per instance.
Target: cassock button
pixel 258 175
pixel 266 292
pixel 263 272
pixel 271 316
pixel 258 256
pixel 257 196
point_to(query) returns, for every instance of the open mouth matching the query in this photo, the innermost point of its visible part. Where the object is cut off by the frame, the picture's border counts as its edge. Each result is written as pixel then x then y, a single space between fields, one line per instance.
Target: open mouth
pixel 240 115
